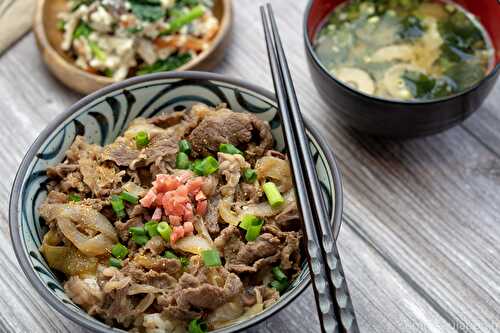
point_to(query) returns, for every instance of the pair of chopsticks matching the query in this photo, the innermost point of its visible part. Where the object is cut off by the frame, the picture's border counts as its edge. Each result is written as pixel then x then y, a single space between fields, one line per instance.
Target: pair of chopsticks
pixel 333 301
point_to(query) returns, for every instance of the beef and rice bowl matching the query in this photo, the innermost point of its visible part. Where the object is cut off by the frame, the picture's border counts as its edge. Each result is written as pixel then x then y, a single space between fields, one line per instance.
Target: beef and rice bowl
pixel 185 223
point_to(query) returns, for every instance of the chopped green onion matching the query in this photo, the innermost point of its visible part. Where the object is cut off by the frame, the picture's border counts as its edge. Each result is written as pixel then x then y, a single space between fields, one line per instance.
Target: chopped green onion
pixel 170 255
pixel 141 139
pixel 278 274
pixel 74 197
pixel 249 220
pixel 182 161
pixel 178 22
pixel 250 175
pixel 184 261
pixel 196 167
pixel 132 198
pixel 228 148
pixel 164 230
pixel 210 165
pixel 118 206
pixel 82 30
pixel 134 30
pixel 185 147
pixel 253 230
pixel 119 251
pixel 108 72
pixel 115 262
pixel 279 285
pixel 273 195
pixel 152 228
pixel 197 326
pixel 140 240
pixel 97 51
pixel 211 258
pixel 205 167
pixel 137 231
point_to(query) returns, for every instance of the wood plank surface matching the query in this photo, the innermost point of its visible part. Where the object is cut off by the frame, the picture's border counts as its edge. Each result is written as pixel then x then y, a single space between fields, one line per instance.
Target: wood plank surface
pixel 421 236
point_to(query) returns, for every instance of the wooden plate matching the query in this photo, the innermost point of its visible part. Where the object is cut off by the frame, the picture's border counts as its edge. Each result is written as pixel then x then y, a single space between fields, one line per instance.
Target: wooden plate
pixel 49 39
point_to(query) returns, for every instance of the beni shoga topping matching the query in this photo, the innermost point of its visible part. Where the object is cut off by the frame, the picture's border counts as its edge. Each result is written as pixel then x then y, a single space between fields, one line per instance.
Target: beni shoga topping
pixel 121 38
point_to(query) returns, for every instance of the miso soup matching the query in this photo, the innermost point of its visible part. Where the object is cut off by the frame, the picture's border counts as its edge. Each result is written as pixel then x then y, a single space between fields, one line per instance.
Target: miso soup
pixel 404 49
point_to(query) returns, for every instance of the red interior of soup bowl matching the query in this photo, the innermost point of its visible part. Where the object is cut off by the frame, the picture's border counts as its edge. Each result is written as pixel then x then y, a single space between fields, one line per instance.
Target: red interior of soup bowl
pixel 487 11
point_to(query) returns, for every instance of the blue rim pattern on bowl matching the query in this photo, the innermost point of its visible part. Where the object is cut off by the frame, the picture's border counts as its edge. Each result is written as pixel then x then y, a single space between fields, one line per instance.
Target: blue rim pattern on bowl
pixel 101 117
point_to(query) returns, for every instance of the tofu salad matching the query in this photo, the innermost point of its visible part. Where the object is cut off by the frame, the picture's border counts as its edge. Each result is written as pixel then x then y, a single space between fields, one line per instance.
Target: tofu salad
pixel 123 38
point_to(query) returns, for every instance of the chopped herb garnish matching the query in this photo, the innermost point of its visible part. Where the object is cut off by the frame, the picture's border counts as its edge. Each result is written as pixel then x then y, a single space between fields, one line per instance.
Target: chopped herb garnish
pixel 74 197
pixel 119 251
pixel 114 262
pixel 142 139
pixel 173 62
pixel 250 175
pixel 82 30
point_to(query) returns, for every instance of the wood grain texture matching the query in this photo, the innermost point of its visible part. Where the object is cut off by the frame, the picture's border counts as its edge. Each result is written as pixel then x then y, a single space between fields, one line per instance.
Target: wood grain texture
pixel 421 235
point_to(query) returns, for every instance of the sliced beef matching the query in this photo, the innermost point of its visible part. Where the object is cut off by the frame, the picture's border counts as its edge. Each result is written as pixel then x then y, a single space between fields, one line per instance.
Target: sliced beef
pixel 225 126
pixel 99 178
pixel 264 246
pixel 207 296
pixel 56 197
pixel 73 181
pixel 158 157
pixel 61 170
pixel 120 308
pixel 229 243
pixel 81 149
pixel 290 254
pixel 230 167
pixel 211 218
pixel 153 278
pixel 166 120
pixel 248 193
pixel 121 152
pixel 253 256
pixel 288 219
pixel 84 292
pixel 157 263
pixel 156 246
pixel 122 227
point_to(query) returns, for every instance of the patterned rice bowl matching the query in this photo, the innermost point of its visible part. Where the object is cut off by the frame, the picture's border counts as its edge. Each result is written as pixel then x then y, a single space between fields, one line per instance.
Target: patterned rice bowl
pixel 100 118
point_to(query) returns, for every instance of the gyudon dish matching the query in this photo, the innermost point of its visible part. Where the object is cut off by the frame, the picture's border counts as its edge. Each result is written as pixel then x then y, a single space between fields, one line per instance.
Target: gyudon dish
pixel 185 223
pixel 120 38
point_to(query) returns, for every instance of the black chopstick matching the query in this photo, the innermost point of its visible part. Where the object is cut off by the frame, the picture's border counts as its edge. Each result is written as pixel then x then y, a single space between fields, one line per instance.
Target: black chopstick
pixel 332 295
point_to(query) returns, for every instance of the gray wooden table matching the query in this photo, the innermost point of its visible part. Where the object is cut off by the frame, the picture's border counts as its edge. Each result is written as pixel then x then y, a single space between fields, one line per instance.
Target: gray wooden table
pixel 421 235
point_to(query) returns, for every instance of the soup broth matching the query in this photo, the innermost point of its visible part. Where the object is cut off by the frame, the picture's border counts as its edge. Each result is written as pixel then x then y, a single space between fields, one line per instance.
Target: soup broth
pixel 404 49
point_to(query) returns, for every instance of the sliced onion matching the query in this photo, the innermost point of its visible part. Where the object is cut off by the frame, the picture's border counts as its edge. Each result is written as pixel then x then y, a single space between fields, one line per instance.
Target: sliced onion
pixel 193 244
pixel 134 189
pixel 145 303
pixel 263 209
pixel 69 216
pixel 142 289
pixel 201 228
pixel 249 313
pixel 226 213
pixel 225 313
pixel 68 260
pixel 276 169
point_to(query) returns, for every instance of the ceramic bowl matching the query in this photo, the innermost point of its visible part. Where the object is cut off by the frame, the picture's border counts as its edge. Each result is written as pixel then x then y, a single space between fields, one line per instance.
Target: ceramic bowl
pixel 392 118
pixel 100 118
pixel 49 38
